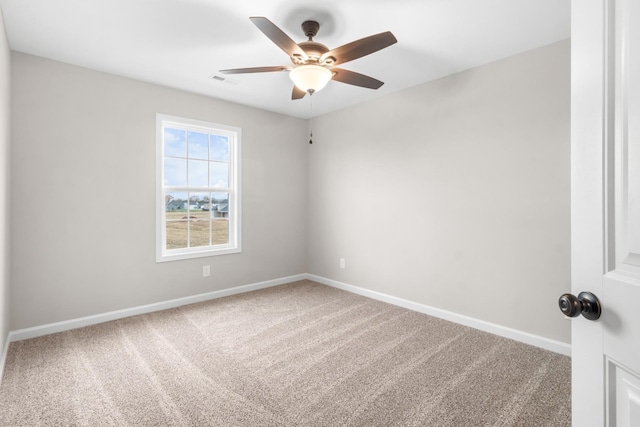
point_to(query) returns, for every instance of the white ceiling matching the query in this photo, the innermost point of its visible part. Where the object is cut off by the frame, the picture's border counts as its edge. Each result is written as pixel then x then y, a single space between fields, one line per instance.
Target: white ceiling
pixel 183 43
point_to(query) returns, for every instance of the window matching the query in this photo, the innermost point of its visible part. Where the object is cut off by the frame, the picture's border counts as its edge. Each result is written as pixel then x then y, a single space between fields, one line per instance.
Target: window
pixel 198 189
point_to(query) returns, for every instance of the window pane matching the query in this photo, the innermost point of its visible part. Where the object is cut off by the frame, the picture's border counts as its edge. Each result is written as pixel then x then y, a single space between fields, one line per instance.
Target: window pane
pixel 199 204
pixel 176 228
pixel 175 142
pixel 219 215
pixel 219 148
pixel 175 202
pixel 175 172
pixel 198 145
pixel 219 174
pixel 199 223
pixel 198 171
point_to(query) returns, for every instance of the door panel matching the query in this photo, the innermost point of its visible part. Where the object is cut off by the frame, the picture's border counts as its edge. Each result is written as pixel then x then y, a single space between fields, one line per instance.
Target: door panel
pixel 624 69
pixel 624 410
pixel 620 319
pixel 628 125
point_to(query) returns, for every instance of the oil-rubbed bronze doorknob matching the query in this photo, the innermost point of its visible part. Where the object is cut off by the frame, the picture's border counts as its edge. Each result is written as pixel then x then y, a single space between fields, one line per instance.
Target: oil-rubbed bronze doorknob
pixel 585 303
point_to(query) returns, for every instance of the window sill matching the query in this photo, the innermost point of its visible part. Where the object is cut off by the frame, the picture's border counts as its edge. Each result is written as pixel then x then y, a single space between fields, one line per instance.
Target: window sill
pixel 166 257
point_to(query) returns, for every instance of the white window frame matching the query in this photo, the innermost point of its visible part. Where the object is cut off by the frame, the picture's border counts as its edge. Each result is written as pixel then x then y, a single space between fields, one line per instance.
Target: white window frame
pixel 234 135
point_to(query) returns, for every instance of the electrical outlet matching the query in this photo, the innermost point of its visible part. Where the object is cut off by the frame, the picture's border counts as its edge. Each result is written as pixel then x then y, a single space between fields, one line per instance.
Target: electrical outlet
pixel 342 263
pixel 206 271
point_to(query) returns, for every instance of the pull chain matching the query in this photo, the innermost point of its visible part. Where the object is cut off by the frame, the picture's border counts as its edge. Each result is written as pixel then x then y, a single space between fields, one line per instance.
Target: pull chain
pixel 311 120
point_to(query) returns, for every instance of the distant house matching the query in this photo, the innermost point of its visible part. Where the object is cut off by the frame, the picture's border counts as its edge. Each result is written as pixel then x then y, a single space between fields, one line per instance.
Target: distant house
pixel 176 205
pixel 220 210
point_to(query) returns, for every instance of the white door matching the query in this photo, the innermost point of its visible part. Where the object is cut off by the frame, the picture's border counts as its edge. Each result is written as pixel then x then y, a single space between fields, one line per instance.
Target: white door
pixel 605 217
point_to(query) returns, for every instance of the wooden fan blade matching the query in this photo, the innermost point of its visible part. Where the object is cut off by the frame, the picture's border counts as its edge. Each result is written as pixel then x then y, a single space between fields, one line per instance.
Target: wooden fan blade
pixel 297 93
pixel 359 48
pixel 279 37
pixel 356 79
pixel 256 70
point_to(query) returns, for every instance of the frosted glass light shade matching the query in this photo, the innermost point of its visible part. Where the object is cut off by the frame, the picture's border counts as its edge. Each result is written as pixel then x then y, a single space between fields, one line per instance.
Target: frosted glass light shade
pixel 310 78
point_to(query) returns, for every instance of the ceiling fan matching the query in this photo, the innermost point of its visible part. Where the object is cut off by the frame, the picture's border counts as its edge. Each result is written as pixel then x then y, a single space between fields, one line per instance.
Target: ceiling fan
pixel 314 64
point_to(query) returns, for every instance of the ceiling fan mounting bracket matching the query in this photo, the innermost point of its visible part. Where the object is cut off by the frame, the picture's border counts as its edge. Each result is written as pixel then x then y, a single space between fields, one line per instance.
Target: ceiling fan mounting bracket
pixel 310 29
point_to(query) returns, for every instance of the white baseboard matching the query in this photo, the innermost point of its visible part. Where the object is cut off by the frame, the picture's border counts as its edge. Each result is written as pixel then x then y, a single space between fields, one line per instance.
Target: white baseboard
pixel 503 331
pixel 52 328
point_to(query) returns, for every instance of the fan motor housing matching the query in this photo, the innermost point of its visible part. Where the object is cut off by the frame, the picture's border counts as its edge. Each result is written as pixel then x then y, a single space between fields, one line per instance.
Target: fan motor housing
pixel 314 50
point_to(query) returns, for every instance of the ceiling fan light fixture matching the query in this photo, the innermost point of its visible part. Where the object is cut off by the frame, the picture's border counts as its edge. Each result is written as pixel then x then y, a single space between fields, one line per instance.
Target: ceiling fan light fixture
pixel 310 78
pixel 313 62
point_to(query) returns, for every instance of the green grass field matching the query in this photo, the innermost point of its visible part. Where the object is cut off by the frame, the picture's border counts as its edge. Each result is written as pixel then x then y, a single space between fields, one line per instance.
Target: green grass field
pixel 199 223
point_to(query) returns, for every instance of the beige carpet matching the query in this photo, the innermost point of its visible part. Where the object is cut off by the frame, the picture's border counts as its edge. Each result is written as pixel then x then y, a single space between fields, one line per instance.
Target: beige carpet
pixel 301 354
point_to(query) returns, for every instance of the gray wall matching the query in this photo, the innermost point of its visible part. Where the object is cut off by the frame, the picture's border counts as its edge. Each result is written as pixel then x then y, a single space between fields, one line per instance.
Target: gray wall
pixel 454 194
pixel 4 185
pixel 83 194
